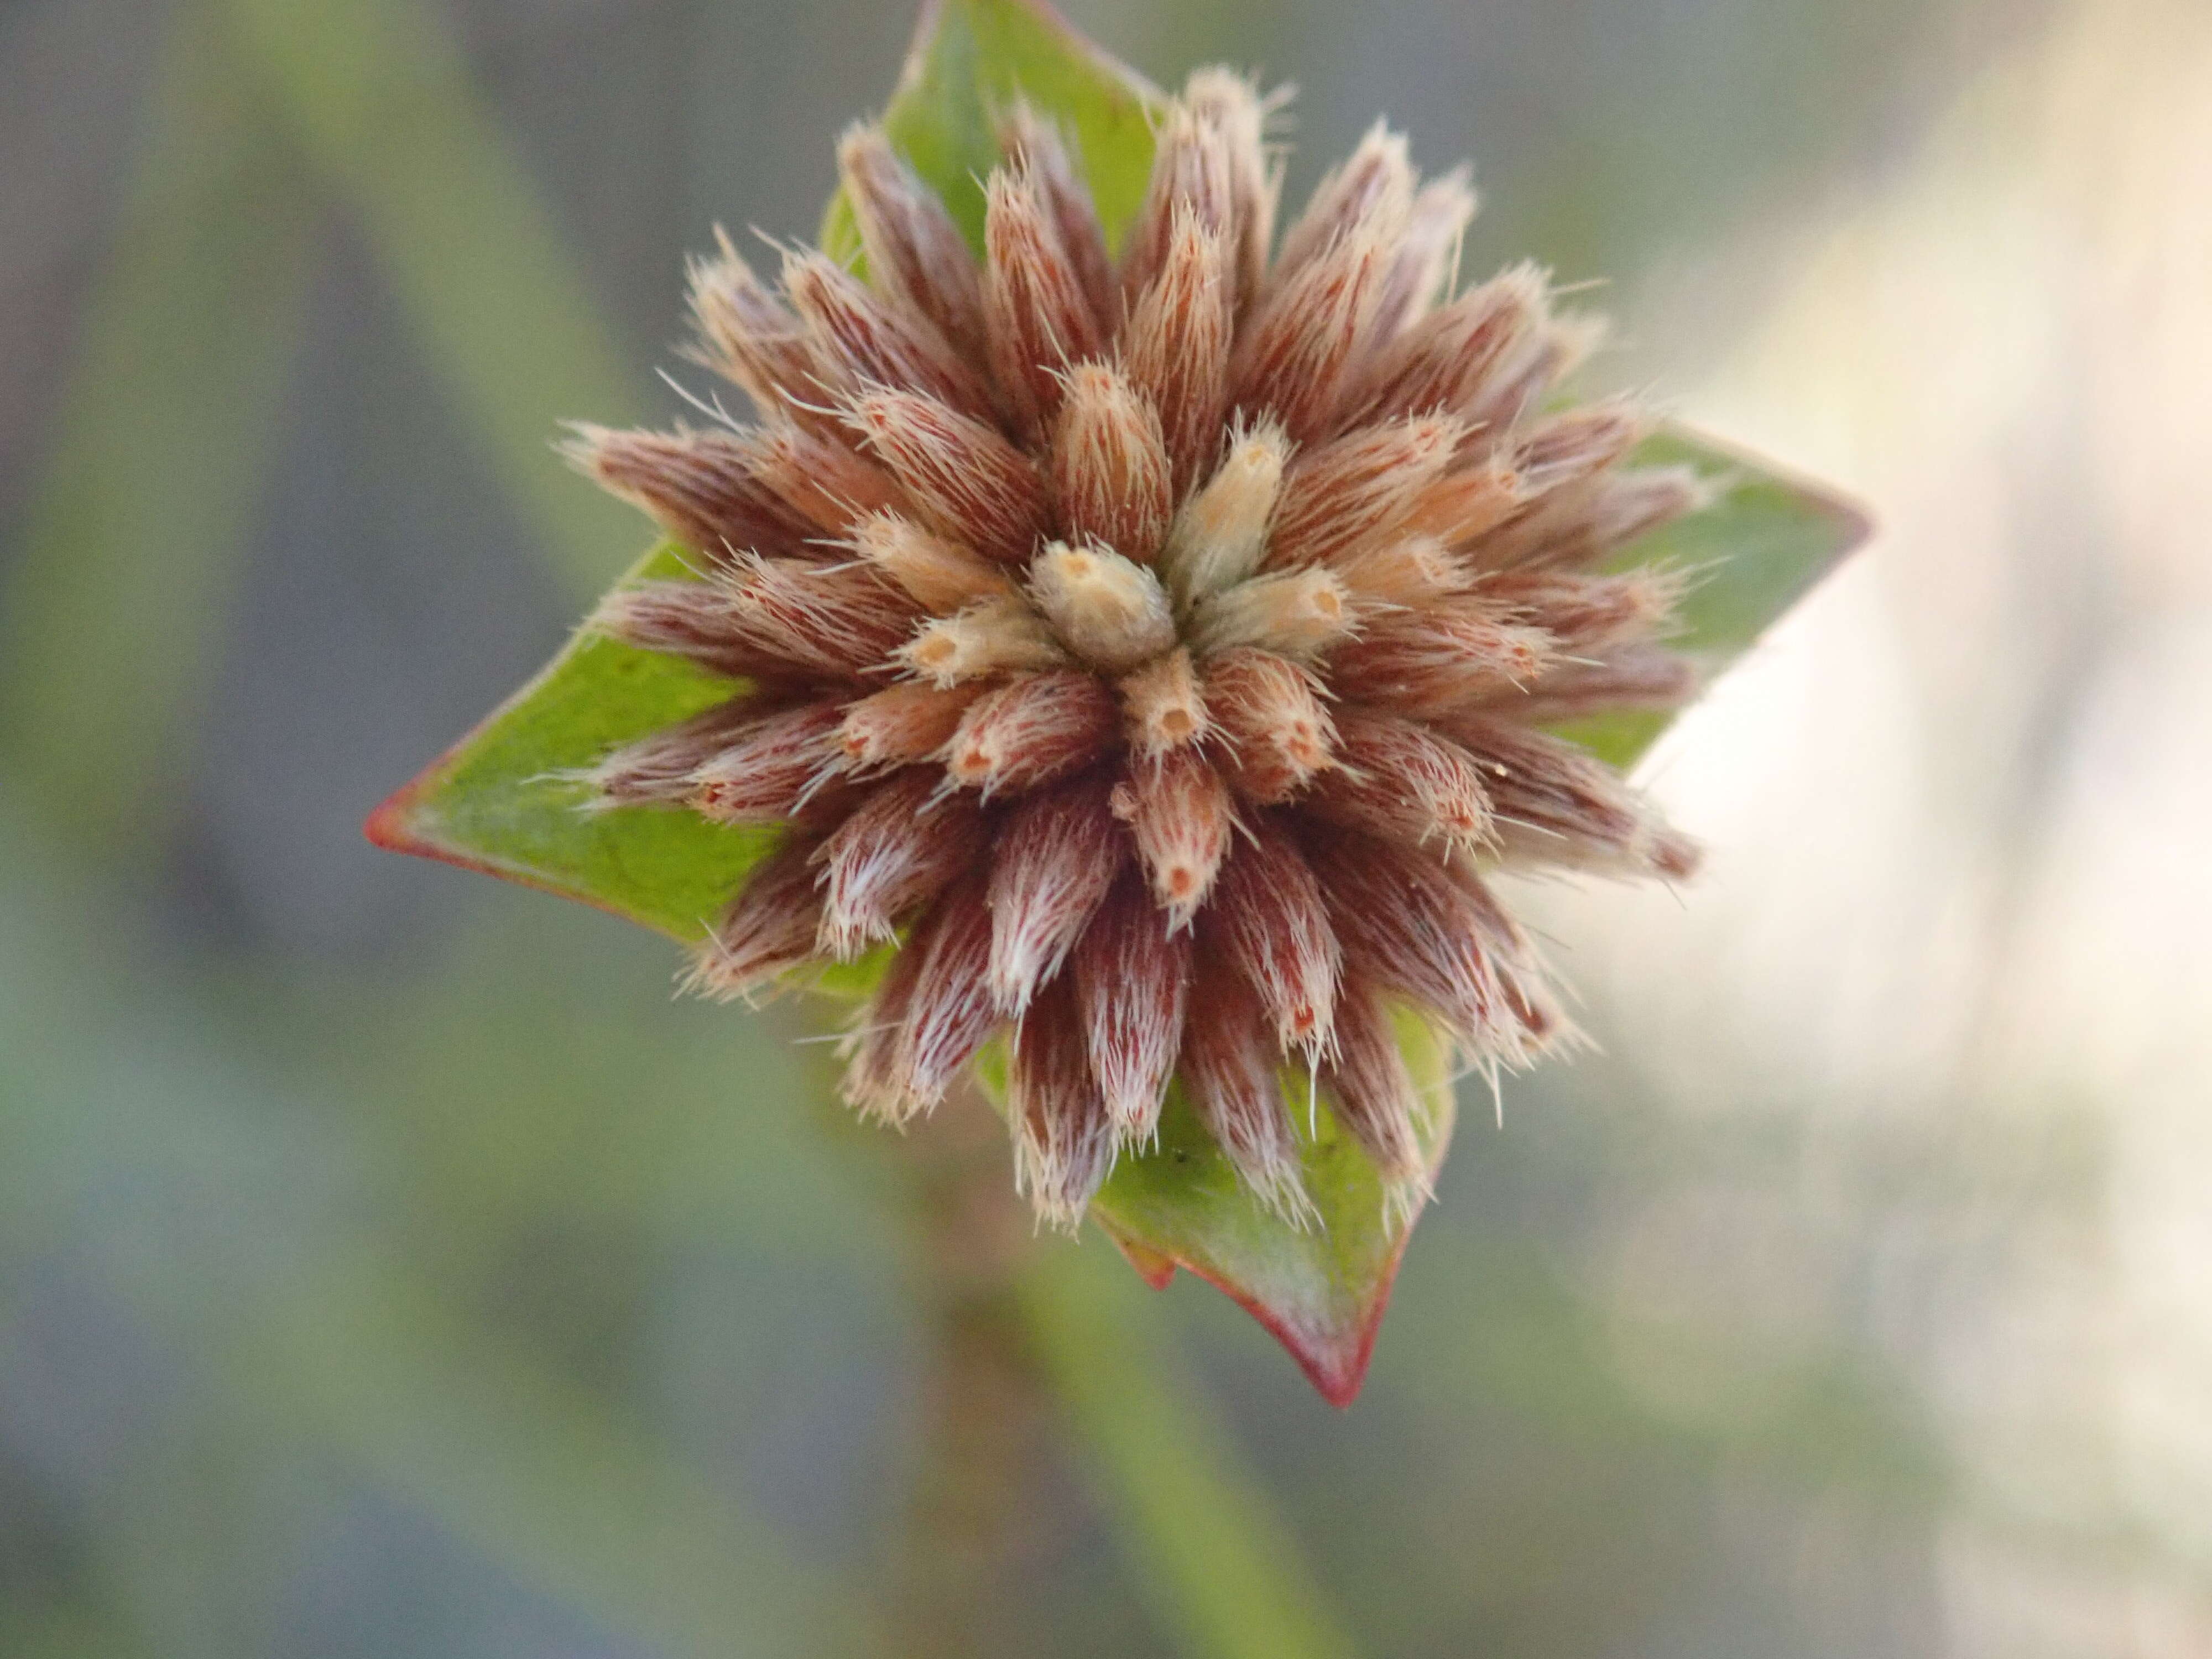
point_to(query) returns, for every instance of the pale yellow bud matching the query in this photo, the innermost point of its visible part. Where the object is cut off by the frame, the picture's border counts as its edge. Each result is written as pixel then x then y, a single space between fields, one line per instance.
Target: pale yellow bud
pixel 1297 614
pixel 991 636
pixel 1108 610
pixel 1222 531
pixel 1164 708
pixel 942 575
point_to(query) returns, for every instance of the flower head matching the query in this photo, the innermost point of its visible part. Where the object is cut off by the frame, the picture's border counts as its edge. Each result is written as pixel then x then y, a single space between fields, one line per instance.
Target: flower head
pixel 1157 651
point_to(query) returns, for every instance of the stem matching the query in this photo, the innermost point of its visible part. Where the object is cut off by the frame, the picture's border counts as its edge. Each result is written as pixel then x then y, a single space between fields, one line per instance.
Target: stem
pixel 987 1411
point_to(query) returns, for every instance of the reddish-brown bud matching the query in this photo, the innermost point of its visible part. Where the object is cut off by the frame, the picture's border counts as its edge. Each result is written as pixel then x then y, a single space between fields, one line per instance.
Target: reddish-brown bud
pixel 747 335
pixel 1231 1064
pixel 1368 195
pixel 1269 917
pixel 1559 345
pixel 1297 351
pixel 1577 524
pixel 1405 924
pixel 1232 104
pixel 1179 817
pixel 1427 253
pixel 966 481
pixel 875 1082
pixel 1460 507
pixel 1446 654
pixel 659 769
pixel 703 488
pixel 688 620
pixel 821 478
pixel 1024 735
pixel 1132 971
pixel 1642 678
pixel 1032 140
pixel 861 338
pixel 901 847
pixel 1039 318
pixel 1556 804
pixel 1278 735
pixel 1402 782
pixel 1537 1021
pixel 900 724
pixel 1053 867
pixel 839 620
pixel 768 768
pixel 1589 616
pixel 1175 347
pixel 767 930
pixel 951 1013
pixel 915 252
pixel 1109 465
pixel 1364 486
pixel 1192 179
pixel 1576 444
pixel 1064 1135
pixel 1455 359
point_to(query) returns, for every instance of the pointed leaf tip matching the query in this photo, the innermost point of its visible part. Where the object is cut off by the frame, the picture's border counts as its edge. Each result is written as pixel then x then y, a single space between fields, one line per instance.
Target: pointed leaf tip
pixel 1767 539
pixel 1321 1288
pixel 1334 1353
pixel 499 801
pixel 389 826
pixel 1155 1269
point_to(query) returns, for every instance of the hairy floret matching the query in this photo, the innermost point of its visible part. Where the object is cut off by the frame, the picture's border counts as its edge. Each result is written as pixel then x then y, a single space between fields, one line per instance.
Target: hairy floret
pixel 1153 654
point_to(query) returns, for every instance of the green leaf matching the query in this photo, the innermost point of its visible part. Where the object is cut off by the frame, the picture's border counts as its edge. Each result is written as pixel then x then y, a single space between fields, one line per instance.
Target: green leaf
pixel 1768 538
pixel 1321 1288
pixel 1208 1550
pixel 972 60
pixel 497 802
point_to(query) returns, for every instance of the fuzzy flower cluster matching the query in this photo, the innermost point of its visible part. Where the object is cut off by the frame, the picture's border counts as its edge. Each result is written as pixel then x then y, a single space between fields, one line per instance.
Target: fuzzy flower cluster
pixel 1158 648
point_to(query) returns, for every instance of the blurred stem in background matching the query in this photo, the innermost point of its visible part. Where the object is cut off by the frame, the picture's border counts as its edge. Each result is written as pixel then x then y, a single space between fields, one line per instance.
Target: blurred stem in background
pixel 1030 1335
pixel 985 1410
pixel 266 111
pixel 134 541
pixel 376 94
pixel 1211 1553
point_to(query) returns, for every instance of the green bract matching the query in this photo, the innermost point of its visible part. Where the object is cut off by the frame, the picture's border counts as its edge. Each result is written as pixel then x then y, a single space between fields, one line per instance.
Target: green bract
pixel 500 800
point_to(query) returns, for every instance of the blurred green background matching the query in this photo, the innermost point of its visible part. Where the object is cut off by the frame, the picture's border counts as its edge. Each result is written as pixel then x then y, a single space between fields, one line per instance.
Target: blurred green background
pixel 388 1266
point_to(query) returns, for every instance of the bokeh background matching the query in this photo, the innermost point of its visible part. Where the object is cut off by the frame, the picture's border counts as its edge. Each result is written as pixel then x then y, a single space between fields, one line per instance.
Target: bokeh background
pixel 389 1267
